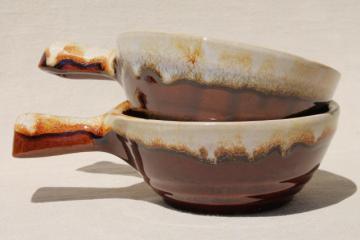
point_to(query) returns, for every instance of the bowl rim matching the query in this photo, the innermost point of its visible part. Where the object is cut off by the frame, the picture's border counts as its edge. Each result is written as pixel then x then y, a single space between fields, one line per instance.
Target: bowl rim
pixel 228 43
pixel 333 111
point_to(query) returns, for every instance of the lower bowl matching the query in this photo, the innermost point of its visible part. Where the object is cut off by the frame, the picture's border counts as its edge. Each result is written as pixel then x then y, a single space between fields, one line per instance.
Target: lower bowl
pixel 212 167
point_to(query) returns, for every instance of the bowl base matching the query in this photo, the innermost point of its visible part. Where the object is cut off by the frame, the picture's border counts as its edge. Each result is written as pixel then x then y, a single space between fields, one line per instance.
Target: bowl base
pixel 255 207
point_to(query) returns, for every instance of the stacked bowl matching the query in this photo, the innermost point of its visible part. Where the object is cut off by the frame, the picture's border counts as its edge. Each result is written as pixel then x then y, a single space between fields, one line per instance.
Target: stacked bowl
pixel 212 126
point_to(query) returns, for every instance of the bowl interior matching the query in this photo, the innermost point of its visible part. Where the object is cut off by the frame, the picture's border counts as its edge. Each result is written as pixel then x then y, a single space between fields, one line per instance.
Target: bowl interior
pixel 318 108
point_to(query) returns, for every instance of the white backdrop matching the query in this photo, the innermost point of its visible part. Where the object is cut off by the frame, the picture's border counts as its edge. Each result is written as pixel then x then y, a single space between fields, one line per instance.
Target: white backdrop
pixel 31 202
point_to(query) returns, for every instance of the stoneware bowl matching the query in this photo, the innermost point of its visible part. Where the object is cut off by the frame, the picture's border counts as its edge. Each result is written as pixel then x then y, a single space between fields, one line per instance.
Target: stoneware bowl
pixel 218 167
pixel 182 77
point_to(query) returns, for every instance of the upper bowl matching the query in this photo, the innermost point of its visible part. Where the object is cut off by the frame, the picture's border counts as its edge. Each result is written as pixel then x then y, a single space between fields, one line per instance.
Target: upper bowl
pixel 184 77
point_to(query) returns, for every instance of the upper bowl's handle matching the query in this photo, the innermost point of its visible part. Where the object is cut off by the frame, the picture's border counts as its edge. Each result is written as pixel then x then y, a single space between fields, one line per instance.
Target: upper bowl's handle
pixel 74 61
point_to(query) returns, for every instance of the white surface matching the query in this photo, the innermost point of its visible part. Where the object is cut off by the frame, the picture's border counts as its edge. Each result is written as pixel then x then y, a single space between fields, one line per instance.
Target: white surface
pixel 324 31
pixel 228 63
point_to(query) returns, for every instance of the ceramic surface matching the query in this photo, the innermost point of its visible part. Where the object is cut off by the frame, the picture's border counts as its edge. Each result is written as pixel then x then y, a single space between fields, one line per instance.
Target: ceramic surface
pixel 184 77
pixel 201 166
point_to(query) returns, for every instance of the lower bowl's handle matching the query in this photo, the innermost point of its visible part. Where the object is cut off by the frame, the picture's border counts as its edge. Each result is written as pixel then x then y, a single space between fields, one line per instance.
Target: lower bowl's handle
pixel 44 135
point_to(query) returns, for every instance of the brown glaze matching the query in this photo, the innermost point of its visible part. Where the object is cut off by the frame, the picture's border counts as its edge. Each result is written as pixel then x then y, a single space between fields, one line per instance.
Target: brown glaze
pixel 233 185
pixel 184 77
pixel 69 142
pixel 188 100
pixel 235 182
pixel 52 144
pixel 317 108
pixel 183 99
